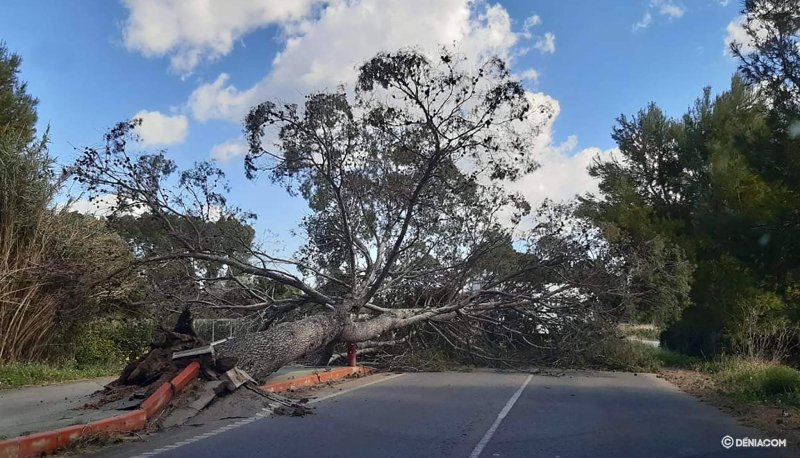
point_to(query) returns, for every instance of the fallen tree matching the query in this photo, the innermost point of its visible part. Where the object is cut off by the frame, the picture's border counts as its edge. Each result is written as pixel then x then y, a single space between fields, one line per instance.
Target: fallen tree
pixel 410 218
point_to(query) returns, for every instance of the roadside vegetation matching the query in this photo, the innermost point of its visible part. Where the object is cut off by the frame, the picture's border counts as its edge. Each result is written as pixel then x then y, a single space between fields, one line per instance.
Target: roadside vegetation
pixel 713 197
pixel 15 375
pixel 745 380
pixel 61 315
pixel 97 349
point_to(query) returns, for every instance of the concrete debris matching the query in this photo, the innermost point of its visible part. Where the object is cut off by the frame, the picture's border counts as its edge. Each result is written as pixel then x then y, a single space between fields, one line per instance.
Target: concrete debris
pixel 209 392
pixel 234 378
pixel 208 349
pixel 205 395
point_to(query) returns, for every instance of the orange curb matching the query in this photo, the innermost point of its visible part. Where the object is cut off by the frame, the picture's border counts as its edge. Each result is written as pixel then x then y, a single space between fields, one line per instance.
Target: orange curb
pixel 185 376
pixel 156 401
pixel 49 441
pixel 314 379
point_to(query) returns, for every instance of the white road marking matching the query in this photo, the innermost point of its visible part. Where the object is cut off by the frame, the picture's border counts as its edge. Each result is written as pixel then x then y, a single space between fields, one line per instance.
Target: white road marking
pixel 476 452
pixel 333 395
pixel 263 413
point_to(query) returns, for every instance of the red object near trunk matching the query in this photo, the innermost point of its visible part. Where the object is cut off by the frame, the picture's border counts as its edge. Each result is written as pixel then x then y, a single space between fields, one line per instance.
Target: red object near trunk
pixel 351 354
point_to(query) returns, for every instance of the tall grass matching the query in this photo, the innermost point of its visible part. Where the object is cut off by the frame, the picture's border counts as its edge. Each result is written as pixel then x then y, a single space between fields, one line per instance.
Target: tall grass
pixel 753 380
pixel 626 355
pixel 28 307
pixel 747 380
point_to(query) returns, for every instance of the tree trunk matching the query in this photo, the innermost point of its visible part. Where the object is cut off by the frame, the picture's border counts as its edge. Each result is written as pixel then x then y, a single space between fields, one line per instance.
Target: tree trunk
pixel 323 355
pixel 262 353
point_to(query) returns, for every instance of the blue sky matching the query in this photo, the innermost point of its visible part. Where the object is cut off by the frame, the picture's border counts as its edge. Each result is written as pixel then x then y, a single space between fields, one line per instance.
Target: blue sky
pixel 93 63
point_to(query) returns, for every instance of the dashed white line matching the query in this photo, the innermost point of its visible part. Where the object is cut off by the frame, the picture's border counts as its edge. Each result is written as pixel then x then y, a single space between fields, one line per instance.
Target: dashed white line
pixel 338 393
pixel 476 452
pixel 263 413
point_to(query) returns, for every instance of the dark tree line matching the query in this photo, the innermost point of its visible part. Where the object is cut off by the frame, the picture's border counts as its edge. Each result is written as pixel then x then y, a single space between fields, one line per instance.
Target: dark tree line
pixel 717 191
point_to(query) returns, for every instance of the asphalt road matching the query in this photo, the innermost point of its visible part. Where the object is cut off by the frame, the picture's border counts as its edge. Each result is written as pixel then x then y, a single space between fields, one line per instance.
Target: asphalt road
pixel 485 414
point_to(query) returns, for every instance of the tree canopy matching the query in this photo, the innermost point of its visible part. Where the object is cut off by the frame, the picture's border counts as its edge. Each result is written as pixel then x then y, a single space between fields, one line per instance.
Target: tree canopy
pixel 718 190
pixel 404 177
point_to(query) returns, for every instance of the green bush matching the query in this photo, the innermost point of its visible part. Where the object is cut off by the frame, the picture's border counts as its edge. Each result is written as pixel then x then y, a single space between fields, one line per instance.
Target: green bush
pixel 105 342
pixel 677 360
pixel 751 380
pixel 95 347
pixel 626 355
pixel 781 380
pixel 743 379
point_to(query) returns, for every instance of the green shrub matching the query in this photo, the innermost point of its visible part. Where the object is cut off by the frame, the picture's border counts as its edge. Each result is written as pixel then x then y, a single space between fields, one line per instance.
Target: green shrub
pixel 751 380
pixel 106 342
pixel 677 360
pixel 628 355
pixel 625 355
pixel 93 346
pixel 781 380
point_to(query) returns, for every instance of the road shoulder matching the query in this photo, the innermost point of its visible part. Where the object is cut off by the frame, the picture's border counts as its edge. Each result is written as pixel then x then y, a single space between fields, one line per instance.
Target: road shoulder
pixel 773 421
pixel 241 411
pixel 38 408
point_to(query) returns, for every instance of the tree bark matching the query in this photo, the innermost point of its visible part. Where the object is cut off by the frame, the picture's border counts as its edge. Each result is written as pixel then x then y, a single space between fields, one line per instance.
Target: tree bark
pixel 262 353
pixel 323 355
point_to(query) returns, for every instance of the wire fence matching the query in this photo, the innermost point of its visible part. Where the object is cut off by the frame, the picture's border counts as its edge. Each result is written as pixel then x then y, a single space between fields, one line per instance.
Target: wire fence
pixel 224 328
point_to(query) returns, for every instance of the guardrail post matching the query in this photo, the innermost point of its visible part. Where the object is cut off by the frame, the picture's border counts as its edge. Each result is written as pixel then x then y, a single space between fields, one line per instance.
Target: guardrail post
pixel 351 354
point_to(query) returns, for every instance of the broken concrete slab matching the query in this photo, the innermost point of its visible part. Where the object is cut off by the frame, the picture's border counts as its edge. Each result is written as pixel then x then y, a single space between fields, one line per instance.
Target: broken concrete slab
pixel 235 378
pixel 128 403
pixel 207 393
pixel 178 417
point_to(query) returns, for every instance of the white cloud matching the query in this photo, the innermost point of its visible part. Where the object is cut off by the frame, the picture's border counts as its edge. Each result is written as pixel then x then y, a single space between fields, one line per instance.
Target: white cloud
pixel 324 50
pixel 530 23
pixel 562 170
pixel 191 31
pixel 670 9
pixel 219 100
pixel 546 44
pixel 666 8
pixel 529 74
pixel 644 23
pixel 736 33
pixel 100 206
pixel 161 129
pixel 224 152
pixel 562 173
